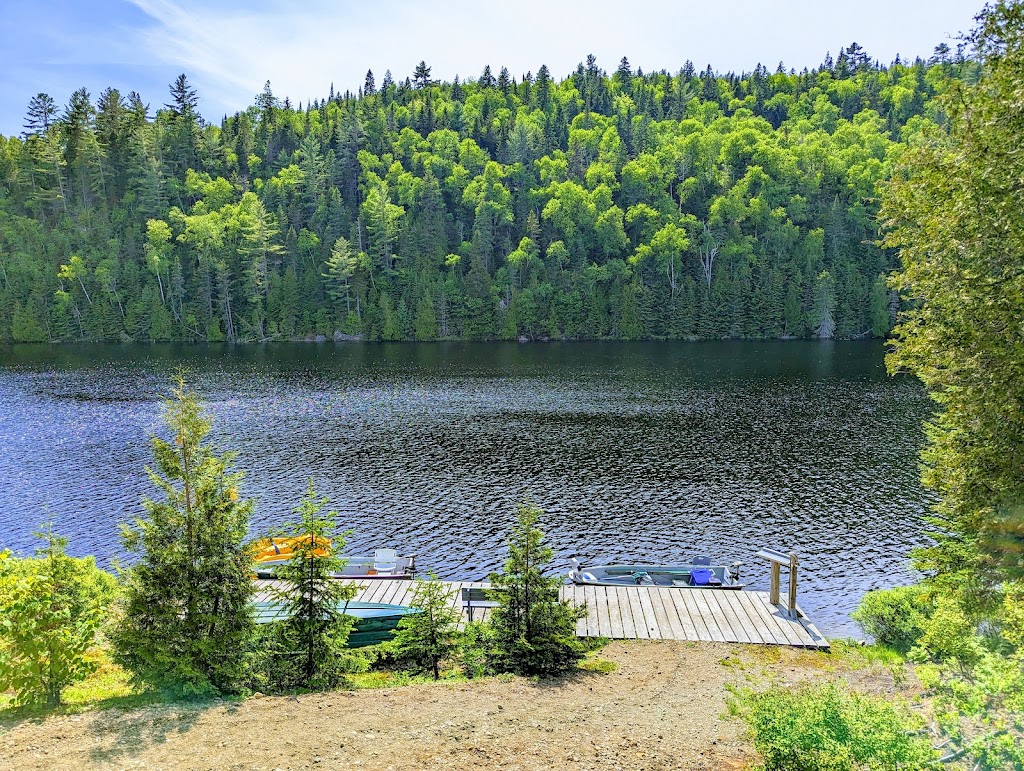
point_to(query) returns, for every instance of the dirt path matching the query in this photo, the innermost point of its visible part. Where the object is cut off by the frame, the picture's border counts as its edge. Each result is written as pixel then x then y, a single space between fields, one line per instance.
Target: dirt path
pixel 661 709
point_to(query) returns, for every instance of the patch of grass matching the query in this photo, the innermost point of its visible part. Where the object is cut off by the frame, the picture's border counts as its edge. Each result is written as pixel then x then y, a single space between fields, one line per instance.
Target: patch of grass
pixel 732 662
pixel 108 682
pixel 858 656
pixel 108 687
pixel 772 655
pixel 598 665
pixel 593 644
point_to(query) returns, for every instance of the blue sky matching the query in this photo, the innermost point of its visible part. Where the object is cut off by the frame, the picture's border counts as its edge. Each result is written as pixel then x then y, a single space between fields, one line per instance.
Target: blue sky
pixel 228 49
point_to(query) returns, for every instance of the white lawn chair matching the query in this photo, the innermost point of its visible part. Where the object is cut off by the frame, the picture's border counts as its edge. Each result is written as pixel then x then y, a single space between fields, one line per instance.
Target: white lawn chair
pixel 385 560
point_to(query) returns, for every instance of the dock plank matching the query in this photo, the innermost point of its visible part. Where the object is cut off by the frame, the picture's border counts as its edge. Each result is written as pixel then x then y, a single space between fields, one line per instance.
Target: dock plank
pixel 654 626
pixel 668 623
pixel 707 616
pixel 685 620
pixel 738 623
pixel 789 631
pixel 616 626
pixel 632 595
pixel 579 599
pixel 600 602
pixel 755 630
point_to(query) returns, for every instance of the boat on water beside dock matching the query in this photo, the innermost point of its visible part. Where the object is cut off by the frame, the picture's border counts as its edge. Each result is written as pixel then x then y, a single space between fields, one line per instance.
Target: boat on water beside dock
pixel 698 574
pixel 383 563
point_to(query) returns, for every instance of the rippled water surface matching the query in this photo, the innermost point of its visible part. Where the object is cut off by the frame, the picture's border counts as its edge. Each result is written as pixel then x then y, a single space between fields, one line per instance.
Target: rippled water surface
pixel 636 451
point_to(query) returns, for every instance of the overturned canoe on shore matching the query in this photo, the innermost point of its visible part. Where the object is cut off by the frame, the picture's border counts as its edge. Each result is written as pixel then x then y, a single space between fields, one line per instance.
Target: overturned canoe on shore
pixel 375 621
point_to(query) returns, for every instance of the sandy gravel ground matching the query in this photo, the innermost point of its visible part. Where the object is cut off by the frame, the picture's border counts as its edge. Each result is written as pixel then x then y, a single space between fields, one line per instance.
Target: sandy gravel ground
pixel 661 709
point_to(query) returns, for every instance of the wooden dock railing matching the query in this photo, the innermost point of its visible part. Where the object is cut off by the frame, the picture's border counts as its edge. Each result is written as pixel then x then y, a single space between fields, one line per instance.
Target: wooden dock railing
pixel 778 559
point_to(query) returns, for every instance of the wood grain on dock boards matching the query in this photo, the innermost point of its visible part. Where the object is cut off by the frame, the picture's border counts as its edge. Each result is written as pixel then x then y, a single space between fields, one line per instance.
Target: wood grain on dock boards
pixel 639 612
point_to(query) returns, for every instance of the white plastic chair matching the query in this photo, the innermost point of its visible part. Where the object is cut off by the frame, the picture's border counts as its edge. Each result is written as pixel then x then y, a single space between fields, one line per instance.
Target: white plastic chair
pixel 385 560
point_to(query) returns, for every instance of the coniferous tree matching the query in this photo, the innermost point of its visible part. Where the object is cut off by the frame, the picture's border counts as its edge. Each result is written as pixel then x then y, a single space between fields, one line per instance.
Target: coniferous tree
pixel 426 639
pixel 534 631
pixel 421 75
pixel 311 637
pixel 186 619
pixel 41 110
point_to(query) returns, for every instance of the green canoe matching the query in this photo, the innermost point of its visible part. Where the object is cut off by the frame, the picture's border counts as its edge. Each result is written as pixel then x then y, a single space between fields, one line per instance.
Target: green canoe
pixel 375 621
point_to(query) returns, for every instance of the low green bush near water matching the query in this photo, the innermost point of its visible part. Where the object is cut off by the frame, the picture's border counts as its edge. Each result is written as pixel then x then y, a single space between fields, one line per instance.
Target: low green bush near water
pixel 826 728
pixel 896 617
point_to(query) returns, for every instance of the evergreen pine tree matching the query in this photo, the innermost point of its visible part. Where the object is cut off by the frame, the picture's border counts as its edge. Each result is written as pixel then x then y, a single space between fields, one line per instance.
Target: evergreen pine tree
pixel 880 320
pixel 311 640
pixel 427 638
pixel 534 631
pixel 186 619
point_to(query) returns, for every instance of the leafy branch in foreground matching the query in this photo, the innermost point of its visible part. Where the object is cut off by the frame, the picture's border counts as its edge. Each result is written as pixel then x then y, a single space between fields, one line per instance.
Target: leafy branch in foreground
pixel 954 211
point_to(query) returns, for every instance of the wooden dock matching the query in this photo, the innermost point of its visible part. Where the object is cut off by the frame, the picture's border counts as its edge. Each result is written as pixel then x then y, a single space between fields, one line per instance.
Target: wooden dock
pixel 649 613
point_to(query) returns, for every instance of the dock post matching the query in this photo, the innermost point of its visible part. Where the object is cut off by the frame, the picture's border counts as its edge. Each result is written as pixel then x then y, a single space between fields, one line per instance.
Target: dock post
pixel 774 586
pixel 792 584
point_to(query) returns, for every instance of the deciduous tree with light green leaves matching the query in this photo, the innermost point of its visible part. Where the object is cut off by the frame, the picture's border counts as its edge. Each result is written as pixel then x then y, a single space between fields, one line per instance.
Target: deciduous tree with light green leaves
pixel 51 607
pixel 186 621
pixel 954 210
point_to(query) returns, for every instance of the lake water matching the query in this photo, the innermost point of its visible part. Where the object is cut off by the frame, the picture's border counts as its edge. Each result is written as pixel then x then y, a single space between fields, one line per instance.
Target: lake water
pixel 636 451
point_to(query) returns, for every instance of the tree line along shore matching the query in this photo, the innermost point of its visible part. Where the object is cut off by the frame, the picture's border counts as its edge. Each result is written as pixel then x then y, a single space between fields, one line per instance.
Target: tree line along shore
pixel 630 205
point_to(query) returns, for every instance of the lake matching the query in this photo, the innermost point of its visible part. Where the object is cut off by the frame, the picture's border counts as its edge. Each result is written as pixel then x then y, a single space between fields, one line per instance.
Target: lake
pixel 635 451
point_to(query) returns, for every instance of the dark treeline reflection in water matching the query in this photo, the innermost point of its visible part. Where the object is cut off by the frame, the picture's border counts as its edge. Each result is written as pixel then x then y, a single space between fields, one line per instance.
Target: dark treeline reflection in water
pixel 636 451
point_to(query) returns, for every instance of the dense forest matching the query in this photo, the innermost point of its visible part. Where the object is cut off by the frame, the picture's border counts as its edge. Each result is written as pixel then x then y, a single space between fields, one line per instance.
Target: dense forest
pixel 630 205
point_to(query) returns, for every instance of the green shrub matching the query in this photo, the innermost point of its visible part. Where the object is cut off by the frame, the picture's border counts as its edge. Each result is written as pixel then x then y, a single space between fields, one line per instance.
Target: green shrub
pixel 949 636
pixel 824 728
pixel 473 650
pixel 895 617
pixel 51 607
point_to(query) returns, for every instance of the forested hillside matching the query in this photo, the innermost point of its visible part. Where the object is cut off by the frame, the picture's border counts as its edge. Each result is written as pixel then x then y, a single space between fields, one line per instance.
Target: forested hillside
pixel 635 205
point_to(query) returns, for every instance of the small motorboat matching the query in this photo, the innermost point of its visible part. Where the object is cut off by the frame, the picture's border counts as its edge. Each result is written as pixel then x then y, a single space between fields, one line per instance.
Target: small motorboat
pixel 698 574
pixel 384 563
pixel 375 621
